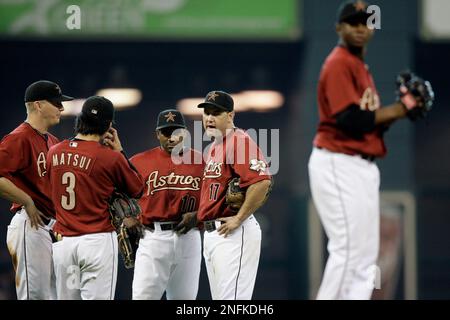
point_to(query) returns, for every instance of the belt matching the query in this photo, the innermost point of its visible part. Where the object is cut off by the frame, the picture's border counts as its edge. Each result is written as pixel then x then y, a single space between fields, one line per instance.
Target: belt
pixel 210 225
pixel 164 226
pixel 367 157
pixel 362 155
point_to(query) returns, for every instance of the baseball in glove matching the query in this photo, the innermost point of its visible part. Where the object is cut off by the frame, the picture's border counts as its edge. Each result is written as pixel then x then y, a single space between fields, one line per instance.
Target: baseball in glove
pixel 124 213
pixel 235 195
pixel 415 94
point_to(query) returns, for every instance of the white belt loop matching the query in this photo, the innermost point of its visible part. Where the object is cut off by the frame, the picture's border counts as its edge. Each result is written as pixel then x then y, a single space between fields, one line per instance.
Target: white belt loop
pixel 51 224
pixel 157 226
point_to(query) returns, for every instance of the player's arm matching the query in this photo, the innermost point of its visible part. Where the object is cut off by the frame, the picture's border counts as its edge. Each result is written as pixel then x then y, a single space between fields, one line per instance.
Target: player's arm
pixel 11 192
pixel 390 113
pixel 356 122
pixel 128 178
pixel 13 158
pixel 254 198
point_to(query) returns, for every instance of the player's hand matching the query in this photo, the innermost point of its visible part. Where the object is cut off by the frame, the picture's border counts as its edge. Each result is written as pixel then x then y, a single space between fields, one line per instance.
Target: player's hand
pixel 111 139
pixel 188 222
pixel 134 226
pixel 231 223
pixel 34 214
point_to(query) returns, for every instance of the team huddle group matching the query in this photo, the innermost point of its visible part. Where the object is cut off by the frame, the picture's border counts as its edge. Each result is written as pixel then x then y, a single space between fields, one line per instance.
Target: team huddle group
pixel 71 182
pixel 61 239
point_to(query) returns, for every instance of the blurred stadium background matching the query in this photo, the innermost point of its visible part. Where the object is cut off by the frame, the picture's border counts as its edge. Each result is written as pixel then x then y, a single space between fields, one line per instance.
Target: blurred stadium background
pixel 170 50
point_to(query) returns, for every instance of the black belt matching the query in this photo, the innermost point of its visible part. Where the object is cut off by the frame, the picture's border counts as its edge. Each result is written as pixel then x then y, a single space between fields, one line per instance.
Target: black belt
pixel 210 225
pixel 362 155
pixel 164 226
pixel 367 157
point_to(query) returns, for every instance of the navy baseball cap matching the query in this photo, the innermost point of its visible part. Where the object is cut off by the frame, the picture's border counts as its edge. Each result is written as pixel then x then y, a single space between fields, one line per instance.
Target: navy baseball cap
pixel 45 90
pixel 98 109
pixel 218 99
pixel 170 118
pixel 353 12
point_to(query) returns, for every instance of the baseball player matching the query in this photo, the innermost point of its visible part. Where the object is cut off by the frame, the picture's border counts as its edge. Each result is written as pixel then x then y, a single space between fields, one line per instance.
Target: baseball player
pixel 232 241
pixel 344 178
pixel 167 260
pixel 84 173
pixel 24 182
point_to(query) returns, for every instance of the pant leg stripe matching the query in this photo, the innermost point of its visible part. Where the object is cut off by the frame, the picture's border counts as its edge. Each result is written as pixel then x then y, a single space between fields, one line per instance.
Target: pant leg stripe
pixel 347 245
pixel 240 263
pixel 25 257
pixel 113 264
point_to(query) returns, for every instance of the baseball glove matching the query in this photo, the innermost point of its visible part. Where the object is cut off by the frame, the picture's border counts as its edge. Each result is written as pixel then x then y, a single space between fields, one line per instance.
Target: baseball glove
pixel 415 94
pixel 124 213
pixel 235 195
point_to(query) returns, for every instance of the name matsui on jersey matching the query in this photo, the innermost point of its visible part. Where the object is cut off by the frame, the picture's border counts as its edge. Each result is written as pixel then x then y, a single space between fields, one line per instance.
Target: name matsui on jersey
pixel 172 181
pixel 71 159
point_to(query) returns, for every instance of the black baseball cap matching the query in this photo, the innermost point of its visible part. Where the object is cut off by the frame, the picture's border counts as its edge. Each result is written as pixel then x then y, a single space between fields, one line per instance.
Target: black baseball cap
pixel 97 109
pixel 45 90
pixel 170 118
pixel 219 99
pixel 353 12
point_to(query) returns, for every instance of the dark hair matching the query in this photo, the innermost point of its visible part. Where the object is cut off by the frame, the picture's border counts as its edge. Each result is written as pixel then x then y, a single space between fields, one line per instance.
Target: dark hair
pixel 83 125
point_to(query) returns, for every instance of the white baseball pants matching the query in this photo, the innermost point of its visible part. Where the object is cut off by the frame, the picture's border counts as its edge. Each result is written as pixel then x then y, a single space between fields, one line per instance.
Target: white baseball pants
pixel 166 261
pixel 232 262
pixel 345 190
pixel 31 253
pixel 86 266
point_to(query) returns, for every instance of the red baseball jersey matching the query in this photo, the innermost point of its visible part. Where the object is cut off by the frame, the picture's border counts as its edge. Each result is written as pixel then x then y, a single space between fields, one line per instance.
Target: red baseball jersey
pixel 170 189
pixel 236 155
pixel 346 80
pixel 23 155
pixel 84 175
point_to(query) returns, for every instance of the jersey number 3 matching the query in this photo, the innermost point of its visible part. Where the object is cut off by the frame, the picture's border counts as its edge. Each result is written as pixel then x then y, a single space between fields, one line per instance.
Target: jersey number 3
pixel 68 202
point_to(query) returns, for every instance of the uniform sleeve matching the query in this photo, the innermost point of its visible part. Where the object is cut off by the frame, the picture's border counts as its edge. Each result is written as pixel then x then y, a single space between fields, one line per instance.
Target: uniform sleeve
pixel 339 87
pixel 126 178
pixel 249 162
pixel 13 156
pixel 134 161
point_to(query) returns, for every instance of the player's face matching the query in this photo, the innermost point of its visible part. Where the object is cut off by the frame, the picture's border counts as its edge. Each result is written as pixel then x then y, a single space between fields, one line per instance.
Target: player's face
pixel 170 137
pixel 216 121
pixel 354 34
pixel 50 112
